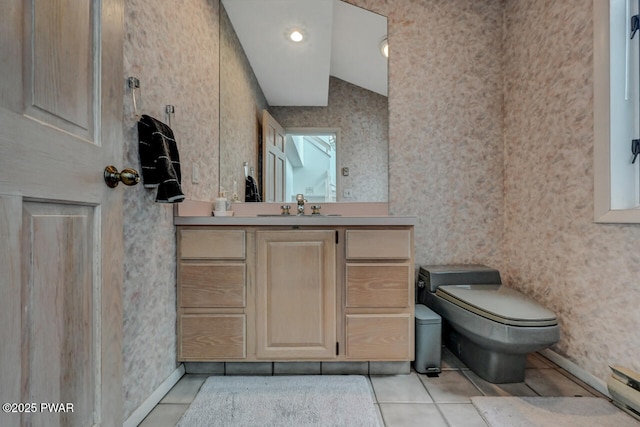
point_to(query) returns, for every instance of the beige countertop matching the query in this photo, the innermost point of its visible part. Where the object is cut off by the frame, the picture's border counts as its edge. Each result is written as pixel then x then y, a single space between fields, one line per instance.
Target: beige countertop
pixel 306 220
pixel 268 214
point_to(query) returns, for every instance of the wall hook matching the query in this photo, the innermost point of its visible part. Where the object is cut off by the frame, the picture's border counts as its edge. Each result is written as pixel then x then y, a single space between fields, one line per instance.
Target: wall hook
pixel 134 84
pixel 169 111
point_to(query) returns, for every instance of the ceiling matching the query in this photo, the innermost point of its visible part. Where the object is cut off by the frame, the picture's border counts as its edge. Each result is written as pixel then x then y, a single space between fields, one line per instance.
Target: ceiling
pixel 341 40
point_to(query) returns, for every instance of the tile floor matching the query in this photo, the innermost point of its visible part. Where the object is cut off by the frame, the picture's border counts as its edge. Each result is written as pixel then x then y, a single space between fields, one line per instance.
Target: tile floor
pixel 415 399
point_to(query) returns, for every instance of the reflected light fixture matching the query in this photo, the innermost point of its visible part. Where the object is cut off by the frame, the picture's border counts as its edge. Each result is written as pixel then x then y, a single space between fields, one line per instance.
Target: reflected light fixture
pixel 296 36
pixel 384 48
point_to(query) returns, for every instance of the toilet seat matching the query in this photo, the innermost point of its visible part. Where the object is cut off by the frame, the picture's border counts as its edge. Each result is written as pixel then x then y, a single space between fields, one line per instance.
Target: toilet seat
pixel 498 303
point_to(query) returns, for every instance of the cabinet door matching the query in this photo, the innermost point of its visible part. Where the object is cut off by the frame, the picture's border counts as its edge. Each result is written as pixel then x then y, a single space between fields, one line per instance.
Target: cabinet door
pixel 379 244
pixel 379 336
pixel 295 294
pixel 211 336
pixel 212 285
pixel 212 244
pixel 379 285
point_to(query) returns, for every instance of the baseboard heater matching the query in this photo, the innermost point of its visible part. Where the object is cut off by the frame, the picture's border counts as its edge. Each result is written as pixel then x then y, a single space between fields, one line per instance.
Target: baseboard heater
pixel 624 388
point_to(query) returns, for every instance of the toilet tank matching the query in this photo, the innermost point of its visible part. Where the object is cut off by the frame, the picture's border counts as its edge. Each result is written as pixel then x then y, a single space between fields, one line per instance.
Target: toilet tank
pixel 435 275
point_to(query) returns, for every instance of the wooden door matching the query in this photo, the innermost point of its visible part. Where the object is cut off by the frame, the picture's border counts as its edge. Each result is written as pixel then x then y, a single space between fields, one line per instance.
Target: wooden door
pixel 273 159
pixel 61 91
pixel 296 294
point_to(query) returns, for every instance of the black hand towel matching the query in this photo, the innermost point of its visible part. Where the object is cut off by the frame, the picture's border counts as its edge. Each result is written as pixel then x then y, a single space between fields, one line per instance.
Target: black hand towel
pixel 251 193
pixel 159 160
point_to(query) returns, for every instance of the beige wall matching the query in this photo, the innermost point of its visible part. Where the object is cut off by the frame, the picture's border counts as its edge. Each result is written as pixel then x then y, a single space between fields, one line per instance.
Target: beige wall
pixel 174 52
pixel 587 273
pixel 445 125
pixel 509 182
pixel 491 146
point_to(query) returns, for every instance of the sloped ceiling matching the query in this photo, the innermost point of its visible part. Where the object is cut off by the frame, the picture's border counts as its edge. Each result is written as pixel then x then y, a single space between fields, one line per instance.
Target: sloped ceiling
pixel 341 40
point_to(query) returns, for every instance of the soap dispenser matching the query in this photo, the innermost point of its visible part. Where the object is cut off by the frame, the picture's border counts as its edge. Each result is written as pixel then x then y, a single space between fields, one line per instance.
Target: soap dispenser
pixel 220 203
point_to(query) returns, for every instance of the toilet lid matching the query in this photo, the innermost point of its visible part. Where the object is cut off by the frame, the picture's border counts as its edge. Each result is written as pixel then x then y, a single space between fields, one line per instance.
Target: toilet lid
pixel 499 303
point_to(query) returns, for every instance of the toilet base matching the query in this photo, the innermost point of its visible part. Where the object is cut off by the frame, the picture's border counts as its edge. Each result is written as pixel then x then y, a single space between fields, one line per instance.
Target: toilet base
pixel 492 366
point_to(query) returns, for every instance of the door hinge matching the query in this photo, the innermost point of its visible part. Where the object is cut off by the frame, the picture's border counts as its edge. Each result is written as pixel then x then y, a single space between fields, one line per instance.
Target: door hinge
pixel 336 237
pixel 337 348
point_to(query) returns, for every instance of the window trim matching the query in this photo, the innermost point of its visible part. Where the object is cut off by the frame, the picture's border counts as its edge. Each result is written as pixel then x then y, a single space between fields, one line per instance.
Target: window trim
pixel 603 212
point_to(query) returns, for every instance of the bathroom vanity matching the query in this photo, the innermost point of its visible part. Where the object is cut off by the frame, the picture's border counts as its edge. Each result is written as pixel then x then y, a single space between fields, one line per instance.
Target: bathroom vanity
pixel 295 289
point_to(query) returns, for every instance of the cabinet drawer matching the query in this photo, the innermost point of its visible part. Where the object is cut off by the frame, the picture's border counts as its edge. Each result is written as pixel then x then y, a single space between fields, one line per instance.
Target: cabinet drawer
pixel 378 244
pixel 379 337
pixel 379 285
pixel 212 285
pixel 212 336
pixel 222 244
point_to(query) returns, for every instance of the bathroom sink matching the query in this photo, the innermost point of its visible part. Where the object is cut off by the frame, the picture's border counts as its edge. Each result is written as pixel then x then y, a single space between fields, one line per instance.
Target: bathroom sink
pixel 298 216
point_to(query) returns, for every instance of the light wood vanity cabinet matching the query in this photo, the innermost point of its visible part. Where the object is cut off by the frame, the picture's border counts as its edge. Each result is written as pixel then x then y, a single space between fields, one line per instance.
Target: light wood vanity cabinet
pixel 295 293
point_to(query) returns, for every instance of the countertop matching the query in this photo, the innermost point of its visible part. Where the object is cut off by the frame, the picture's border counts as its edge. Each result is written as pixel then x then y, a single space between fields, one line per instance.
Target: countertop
pixel 306 220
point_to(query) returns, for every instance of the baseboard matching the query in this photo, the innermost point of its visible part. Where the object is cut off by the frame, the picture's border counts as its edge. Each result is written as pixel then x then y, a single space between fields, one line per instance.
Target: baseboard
pixel 576 371
pixel 147 406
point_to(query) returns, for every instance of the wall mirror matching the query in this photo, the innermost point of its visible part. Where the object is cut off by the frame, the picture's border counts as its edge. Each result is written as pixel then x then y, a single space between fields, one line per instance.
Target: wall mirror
pixel 335 78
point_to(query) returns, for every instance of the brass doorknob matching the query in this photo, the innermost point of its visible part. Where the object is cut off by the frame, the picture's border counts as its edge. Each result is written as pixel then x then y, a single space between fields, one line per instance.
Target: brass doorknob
pixel 128 176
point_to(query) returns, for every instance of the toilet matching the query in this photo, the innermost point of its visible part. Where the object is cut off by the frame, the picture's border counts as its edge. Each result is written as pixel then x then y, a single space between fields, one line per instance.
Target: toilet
pixel 488 326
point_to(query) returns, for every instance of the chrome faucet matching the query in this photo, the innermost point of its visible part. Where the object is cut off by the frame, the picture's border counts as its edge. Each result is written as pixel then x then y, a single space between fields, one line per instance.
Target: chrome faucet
pixel 300 199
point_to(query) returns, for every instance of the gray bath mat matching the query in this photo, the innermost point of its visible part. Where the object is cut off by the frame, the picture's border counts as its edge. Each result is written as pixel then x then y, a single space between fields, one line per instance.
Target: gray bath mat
pixel 309 400
pixel 551 412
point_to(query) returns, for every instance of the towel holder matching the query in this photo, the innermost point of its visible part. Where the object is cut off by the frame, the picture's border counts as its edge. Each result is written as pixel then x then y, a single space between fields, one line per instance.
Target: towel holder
pixel 169 111
pixel 134 84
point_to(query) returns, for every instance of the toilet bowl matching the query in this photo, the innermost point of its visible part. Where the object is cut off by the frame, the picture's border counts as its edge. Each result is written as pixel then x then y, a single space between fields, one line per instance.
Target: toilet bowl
pixel 487 325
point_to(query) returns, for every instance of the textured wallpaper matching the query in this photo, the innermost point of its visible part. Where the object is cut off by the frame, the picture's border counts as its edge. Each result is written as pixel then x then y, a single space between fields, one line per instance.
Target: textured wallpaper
pixel 587 273
pixel 174 52
pixel 445 125
pixel 490 146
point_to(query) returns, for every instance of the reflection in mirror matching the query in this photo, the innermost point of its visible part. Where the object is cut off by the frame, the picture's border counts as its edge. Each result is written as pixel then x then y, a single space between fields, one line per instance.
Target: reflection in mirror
pixel 349 98
pixel 311 164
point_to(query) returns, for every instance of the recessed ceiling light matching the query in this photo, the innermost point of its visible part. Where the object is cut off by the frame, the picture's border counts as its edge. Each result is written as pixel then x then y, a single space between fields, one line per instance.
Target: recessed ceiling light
pixel 384 48
pixel 296 36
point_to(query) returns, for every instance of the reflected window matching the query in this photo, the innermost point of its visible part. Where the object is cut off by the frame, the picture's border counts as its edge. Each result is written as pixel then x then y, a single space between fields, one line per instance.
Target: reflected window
pixel 311 165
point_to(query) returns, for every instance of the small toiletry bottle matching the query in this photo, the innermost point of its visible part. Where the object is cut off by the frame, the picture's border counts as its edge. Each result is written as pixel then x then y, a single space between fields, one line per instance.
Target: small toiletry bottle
pixel 234 197
pixel 220 203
